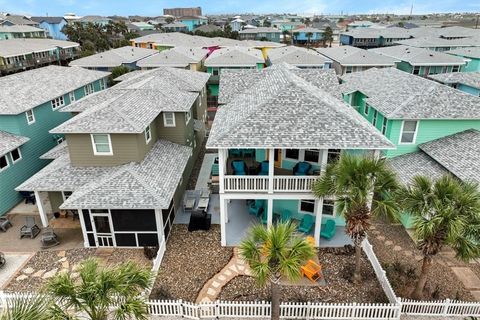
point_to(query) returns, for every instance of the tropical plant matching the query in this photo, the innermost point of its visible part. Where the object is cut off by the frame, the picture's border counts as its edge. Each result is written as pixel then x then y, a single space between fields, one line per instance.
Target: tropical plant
pixel 274 253
pixel 103 292
pixel 362 186
pixel 445 213
pixel 328 36
pixel 309 36
pixel 38 307
pixel 286 34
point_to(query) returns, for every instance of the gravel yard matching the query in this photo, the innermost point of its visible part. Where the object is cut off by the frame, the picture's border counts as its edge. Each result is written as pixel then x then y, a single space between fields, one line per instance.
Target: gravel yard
pixel 336 270
pixel 190 260
pixel 402 261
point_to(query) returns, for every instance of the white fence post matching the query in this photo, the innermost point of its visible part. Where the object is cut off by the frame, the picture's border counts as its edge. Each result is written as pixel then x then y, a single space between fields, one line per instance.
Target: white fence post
pixel 445 307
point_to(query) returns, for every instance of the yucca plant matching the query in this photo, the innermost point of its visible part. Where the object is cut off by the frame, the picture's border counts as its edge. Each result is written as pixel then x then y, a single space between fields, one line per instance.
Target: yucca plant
pixel 274 253
pixel 40 307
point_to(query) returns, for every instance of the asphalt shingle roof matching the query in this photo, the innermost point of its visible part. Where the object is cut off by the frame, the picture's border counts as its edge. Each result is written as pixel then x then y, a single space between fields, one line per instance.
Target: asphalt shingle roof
pixel 418 56
pixel 114 57
pixel 413 164
pixel 52 20
pixel 9 142
pixel 22 91
pixel 56 152
pixel 283 110
pixel 433 41
pixel 179 57
pixel 401 95
pixel 297 56
pixel 471 52
pixel 261 30
pixel 353 56
pixel 471 79
pixel 235 56
pixel 374 33
pixel 17 47
pixel 20 29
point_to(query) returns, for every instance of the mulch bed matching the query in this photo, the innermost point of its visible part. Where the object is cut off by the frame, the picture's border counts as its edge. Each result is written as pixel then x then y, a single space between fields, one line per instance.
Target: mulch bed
pixel 337 270
pixel 191 259
pixel 403 270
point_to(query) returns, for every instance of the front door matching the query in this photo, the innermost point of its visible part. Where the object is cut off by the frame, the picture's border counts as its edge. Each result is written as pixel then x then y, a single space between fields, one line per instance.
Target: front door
pixel 278 158
pixel 102 227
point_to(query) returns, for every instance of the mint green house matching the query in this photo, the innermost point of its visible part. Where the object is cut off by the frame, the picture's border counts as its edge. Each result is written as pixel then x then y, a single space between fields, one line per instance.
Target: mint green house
pixel 409 110
pixel 468 82
pixel 472 54
pixel 29 108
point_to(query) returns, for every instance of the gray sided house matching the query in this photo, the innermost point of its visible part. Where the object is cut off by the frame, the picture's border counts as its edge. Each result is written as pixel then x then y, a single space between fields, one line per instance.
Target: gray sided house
pixel 298 57
pixel 178 57
pixel 127 158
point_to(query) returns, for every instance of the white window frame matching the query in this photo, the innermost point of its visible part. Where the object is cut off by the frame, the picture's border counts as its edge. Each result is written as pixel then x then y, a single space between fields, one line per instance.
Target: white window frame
pixel 148 134
pixel 300 206
pixel 188 116
pixel 366 109
pixel 103 84
pixel 88 89
pixel 165 123
pixel 71 96
pixel 60 140
pixel 319 155
pixel 33 117
pixel 328 215
pixel 8 162
pixel 19 155
pixel 95 152
pixel 384 125
pixel 375 118
pixel 414 135
pixel 301 156
pixel 58 102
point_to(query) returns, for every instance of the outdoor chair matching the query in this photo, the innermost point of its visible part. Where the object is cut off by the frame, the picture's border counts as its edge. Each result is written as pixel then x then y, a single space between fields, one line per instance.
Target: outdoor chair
pixel 311 270
pixel 28 196
pixel 4 224
pixel 239 167
pixel 306 224
pixel 30 228
pixel 248 153
pixel 264 217
pixel 301 169
pixel 263 168
pixel 285 215
pixel 235 153
pixel 256 208
pixel 328 232
pixel 49 238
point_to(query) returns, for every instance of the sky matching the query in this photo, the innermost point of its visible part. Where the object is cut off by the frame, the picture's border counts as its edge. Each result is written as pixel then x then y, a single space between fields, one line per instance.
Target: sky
pixel 155 7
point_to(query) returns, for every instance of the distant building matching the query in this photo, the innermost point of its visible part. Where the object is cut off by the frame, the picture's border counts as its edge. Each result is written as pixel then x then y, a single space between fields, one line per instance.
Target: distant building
pixel 11 20
pixel 103 21
pixel 52 25
pixel 143 26
pixel 16 32
pixel 207 28
pixel 306 35
pixel 236 24
pixel 175 27
pixel 178 12
pixel 263 33
pixel 193 22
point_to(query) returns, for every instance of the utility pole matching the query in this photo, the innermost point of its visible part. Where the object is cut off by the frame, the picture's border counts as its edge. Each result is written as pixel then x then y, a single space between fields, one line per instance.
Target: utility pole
pixel 411 9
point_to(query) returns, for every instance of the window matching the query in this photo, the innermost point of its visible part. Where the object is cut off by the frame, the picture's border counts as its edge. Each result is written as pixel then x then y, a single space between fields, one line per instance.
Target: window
pixel 215 71
pixel 16 155
pixel 328 207
pixel 307 206
pixel 169 119
pixel 60 140
pixel 71 95
pixel 101 144
pixel 66 194
pixel 409 130
pixel 188 116
pixel 349 70
pixel 455 68
pixel 103 84
pixel 30 116
pixel 312 155
pixel 292 154
pixel 374 120
pixel 416 70
pixel 148 134
pixel 3 162
pixel 333 155
pixel 384 126
pixel 366 109
pixel 88 89
pixel 57 103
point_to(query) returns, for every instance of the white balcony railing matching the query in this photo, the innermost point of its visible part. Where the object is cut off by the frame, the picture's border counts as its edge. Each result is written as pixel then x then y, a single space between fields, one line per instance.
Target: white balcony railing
pixel 261 183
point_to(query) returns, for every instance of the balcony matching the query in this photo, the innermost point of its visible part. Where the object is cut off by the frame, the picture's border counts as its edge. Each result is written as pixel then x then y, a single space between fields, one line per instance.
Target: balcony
pixel 262 183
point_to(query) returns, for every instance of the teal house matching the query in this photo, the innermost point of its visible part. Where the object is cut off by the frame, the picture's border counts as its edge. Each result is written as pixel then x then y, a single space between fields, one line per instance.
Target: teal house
pixel 306 35
pixel 193 22
pixel 409 110
pixel 29 108
pixel 260 34
pixel 471 54
pixel 468 82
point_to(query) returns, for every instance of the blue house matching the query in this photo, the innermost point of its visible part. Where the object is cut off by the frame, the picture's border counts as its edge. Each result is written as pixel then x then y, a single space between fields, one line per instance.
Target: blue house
pixel 28 110
pixel 53 25
pixel 306 35
pixel 193 22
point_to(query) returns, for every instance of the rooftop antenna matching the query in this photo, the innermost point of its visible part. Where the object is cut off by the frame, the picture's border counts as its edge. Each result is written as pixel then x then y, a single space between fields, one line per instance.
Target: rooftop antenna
pixel 411 9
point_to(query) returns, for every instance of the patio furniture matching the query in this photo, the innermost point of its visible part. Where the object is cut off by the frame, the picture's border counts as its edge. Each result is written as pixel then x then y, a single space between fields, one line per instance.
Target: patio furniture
pixel 264 217
pixel 30 228
pixel 328 232
pixel 189 200
pixel 235 153
pixel 248 153
pixel 49 238
pixel 256 208
pixel 199 220
pixel 4 223
pixel 28 196
pixel 311 270
pixel 263 168
pixel 204 200
pixel 285 215
pixel 306 224
pixel 301 168
pixel 239 167
pixel 215 172
pixel 3 262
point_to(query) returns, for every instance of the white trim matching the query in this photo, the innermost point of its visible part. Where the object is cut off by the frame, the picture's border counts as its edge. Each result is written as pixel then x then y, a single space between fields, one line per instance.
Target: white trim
pixel 8 162
pixel 71 96
pixel 301 155
pixel 88 89
pixel 111 234
pixel 188 116
pixel 58 102
pixel 306 212
pixel 86 244
pixel 41 209
pixel 165 124
pixel 414 134
pixel 33 117
pixel 19 155
pixel 95 152
pixel 375 118
pixel 318 220
pixel 149 138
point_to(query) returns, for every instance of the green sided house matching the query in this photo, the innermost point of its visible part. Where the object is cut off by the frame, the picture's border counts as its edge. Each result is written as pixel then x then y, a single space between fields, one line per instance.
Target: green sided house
pixel 471 54
pixel 409 110
pixel 127 157
pixel 468 82
pixel 29 107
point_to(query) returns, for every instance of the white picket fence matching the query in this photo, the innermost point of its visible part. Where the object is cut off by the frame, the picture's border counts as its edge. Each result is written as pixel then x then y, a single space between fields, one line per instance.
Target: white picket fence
pixel 446 308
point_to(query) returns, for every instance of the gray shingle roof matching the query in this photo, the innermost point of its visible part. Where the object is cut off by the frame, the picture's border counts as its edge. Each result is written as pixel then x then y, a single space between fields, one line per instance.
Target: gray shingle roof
pixel 22 91
pixel 434 41
pixel 401 95
pixel 471 52
pixel 353 56
pixel 56 152
pixel 149 184
pixel 419 56
pixel 297 56
pixel 235 57
pixel 52 20
pixel 9 142
pixel 90 100
pixel 17 47
pixel 18 19
pixel 20 29
pixel 179 57
pixel 374 33
pixel 471 79
pixel 283 110
pixel 114 57
pixel 459 153
pixel 261 30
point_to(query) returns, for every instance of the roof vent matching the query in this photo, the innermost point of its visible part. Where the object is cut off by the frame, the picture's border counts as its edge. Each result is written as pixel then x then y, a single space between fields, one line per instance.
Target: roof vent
pixel 431 55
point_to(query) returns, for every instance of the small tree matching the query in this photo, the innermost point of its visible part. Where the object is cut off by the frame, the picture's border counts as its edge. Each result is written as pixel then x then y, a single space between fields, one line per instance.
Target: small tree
pixel 35 308
pixel 169 20
pixel 309 37
pixel 274 253
pixel 445 213
pixel 328 36
pixel 286 34
pixel 267 23
pixel 102 292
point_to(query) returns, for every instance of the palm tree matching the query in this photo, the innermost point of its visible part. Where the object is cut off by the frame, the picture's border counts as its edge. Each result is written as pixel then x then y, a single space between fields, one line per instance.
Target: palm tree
pixel 39 307
pixel 328 36
pixel 274 253
pixel 309 37
pixel 362 186
pixel 445 213
pixel 285 34
pixel 103 292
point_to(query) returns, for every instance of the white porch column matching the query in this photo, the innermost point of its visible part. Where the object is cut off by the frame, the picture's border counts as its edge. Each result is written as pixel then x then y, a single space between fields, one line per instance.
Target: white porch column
pixel 222 162
pixel 223 213
pixel 162 244
pixel 271 160
pixel 86 244
pixel 324 161
pixel 318 220
pixel 41 209
pixel 269 212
